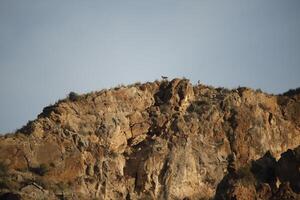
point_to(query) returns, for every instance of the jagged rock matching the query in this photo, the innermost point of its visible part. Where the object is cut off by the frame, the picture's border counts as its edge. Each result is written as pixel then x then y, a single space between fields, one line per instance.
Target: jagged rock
pixel 288 168
pixel 161 140
pixel 285 193
pixel 264 179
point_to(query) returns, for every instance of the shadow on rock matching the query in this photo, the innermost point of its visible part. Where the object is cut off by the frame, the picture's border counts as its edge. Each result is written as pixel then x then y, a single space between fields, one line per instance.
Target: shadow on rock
pixel 264 178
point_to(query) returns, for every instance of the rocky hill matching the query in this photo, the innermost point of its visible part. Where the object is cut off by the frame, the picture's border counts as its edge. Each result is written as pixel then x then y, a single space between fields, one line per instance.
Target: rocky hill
pixel 160 140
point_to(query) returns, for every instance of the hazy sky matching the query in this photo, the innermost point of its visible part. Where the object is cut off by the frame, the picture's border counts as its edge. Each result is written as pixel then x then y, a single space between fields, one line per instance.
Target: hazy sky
pixel 51 47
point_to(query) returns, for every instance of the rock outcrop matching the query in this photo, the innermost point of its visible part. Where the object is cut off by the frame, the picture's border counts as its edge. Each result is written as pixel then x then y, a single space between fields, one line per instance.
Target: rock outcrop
pixel 160 140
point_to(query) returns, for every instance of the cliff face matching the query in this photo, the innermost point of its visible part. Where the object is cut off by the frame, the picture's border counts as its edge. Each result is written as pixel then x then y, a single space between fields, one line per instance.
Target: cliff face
pixel 161 140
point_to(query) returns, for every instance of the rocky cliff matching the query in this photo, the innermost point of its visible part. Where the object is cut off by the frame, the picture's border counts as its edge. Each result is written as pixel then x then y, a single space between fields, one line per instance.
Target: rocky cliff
pixel 160 140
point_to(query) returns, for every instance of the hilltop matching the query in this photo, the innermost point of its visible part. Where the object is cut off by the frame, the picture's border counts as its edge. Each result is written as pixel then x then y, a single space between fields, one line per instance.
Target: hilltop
pixel 157 140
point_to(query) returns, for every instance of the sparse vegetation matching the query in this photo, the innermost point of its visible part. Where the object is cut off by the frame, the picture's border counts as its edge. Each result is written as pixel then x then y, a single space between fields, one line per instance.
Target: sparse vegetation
pixel 136 84
pixel 3 183
pixel 119 86
pixel 198 106
pixel 222 90
pixel 292 92
pixel 62 192
pixel 5 179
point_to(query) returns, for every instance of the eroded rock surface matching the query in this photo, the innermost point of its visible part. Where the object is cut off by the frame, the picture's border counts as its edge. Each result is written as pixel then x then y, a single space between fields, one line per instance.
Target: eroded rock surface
pixel 160 140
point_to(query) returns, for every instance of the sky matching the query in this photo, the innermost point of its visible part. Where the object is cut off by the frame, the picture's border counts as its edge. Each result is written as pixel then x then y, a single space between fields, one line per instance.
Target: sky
pixel 51 47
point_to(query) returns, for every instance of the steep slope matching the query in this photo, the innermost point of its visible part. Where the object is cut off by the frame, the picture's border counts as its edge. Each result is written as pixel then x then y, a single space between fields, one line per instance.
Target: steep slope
pixel 161 140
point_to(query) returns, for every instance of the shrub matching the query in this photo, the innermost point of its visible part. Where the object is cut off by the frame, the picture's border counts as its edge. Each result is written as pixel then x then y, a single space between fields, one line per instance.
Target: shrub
pixel 41 170
pixel 258 90
pixel 8 183
pixel 73 96
pixel 41 182
pixel 3 169
pixel 4 181
pixel 246 176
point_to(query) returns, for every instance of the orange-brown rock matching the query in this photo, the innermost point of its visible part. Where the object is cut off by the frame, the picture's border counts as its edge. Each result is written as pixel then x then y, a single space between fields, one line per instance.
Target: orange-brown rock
pixel 161 140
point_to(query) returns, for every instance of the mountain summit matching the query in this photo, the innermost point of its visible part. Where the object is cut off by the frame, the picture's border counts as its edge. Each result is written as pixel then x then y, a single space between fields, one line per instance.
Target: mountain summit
pixel 160 140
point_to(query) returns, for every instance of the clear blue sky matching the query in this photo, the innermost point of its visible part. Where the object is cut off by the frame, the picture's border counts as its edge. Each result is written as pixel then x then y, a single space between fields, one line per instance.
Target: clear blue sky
pixel 51 47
